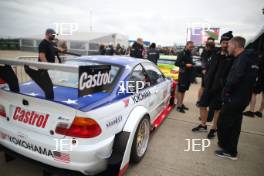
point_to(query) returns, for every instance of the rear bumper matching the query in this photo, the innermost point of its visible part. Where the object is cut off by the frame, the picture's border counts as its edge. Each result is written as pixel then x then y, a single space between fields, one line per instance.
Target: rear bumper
pixel 45 167
pixel 87 159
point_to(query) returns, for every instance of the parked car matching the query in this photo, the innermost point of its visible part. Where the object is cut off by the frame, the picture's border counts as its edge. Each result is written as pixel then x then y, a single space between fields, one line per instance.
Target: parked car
pixel 166 64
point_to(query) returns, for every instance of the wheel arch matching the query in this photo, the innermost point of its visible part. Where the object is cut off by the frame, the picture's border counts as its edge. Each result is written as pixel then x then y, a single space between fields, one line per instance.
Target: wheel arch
pixel 127 135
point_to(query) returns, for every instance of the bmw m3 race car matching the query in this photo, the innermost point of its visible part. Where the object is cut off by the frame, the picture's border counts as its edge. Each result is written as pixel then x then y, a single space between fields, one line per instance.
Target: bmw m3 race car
pixel 89 115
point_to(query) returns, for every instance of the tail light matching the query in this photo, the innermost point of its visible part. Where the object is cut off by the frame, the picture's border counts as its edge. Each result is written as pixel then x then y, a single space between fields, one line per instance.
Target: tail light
pixel 2 111
pixel 81 127
pixel 174 71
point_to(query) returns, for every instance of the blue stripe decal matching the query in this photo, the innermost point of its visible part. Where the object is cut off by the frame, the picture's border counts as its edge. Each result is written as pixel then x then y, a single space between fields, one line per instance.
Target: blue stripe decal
pixel 64 95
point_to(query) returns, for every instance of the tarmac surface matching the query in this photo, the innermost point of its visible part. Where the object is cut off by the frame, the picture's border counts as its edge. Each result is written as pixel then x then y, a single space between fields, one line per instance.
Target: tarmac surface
pixel 166 155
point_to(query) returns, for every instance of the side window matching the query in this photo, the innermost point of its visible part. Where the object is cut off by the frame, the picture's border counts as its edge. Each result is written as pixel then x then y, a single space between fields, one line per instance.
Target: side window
pixel 153 73
pixel 138 80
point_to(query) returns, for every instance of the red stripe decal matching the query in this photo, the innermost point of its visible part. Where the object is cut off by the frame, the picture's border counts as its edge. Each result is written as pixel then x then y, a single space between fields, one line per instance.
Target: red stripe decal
pixel 123 171
pixel 162 116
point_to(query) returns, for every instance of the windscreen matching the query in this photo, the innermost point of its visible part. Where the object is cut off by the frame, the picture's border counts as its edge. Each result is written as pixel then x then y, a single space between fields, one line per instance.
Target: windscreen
pixel 68 79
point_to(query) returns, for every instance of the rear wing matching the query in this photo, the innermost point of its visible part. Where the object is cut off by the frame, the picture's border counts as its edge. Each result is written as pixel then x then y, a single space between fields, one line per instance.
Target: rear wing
pixel 38 72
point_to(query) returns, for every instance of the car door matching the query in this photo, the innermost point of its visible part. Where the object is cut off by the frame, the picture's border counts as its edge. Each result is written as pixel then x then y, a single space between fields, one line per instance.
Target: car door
pixel 146 94
pixel 161 85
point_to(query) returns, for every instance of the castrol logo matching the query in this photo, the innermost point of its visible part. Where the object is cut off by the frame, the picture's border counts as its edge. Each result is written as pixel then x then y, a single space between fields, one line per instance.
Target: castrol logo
pixel 89 81
pixel 30 117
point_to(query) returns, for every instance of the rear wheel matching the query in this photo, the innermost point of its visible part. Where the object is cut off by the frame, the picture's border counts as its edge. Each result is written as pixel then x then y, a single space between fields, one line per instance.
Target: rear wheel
pixel 141 140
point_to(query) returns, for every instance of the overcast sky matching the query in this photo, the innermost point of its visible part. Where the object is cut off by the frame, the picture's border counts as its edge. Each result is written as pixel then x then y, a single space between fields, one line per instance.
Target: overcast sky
pixel 162 21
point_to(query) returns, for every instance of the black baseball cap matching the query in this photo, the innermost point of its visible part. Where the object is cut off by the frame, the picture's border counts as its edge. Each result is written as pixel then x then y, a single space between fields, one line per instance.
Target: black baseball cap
pixel 226 36
pixel 51 31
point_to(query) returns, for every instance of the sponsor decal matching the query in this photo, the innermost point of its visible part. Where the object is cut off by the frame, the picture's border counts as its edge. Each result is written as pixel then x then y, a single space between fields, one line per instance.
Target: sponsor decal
pixel 62 157
pixel 63 119
pixel 56 155
pixel 93 79
pixel 30 117
pixel 114 121
pixel 141 96
pixel 30 146
pixel 126 102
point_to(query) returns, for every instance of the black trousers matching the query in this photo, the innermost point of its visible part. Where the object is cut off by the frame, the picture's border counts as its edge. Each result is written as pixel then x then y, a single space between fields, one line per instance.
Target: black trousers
pixel 229 126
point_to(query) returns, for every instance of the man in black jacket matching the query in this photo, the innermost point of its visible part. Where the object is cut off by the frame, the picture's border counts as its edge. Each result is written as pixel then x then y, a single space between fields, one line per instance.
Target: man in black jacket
pixel 185 62
pixel 137 49
pixel 153 53
pixel 236 96
pixel 206 55
pixel 214 80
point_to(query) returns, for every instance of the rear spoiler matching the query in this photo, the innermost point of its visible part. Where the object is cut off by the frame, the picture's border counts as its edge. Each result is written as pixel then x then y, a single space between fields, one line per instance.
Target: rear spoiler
pixel 40 65
pixel 41 76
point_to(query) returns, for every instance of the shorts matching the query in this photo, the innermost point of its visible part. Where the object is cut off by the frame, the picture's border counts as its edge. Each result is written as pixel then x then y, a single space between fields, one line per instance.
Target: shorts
pixel 184 83
pixel 212 100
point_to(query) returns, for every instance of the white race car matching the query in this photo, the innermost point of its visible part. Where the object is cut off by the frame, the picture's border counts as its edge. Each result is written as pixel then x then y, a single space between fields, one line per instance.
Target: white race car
pixel 89 115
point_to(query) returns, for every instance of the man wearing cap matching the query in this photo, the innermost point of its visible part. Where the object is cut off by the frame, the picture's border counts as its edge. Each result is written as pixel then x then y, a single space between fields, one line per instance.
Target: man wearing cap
pixel 47 49
pixel 47 52
pixel 214 81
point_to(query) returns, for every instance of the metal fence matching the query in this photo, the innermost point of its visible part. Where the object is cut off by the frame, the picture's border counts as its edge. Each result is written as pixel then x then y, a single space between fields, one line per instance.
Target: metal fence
pixel 9 44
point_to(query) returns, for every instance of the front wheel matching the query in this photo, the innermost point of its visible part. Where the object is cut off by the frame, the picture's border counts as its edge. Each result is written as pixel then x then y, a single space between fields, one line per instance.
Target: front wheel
pixel 141 140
